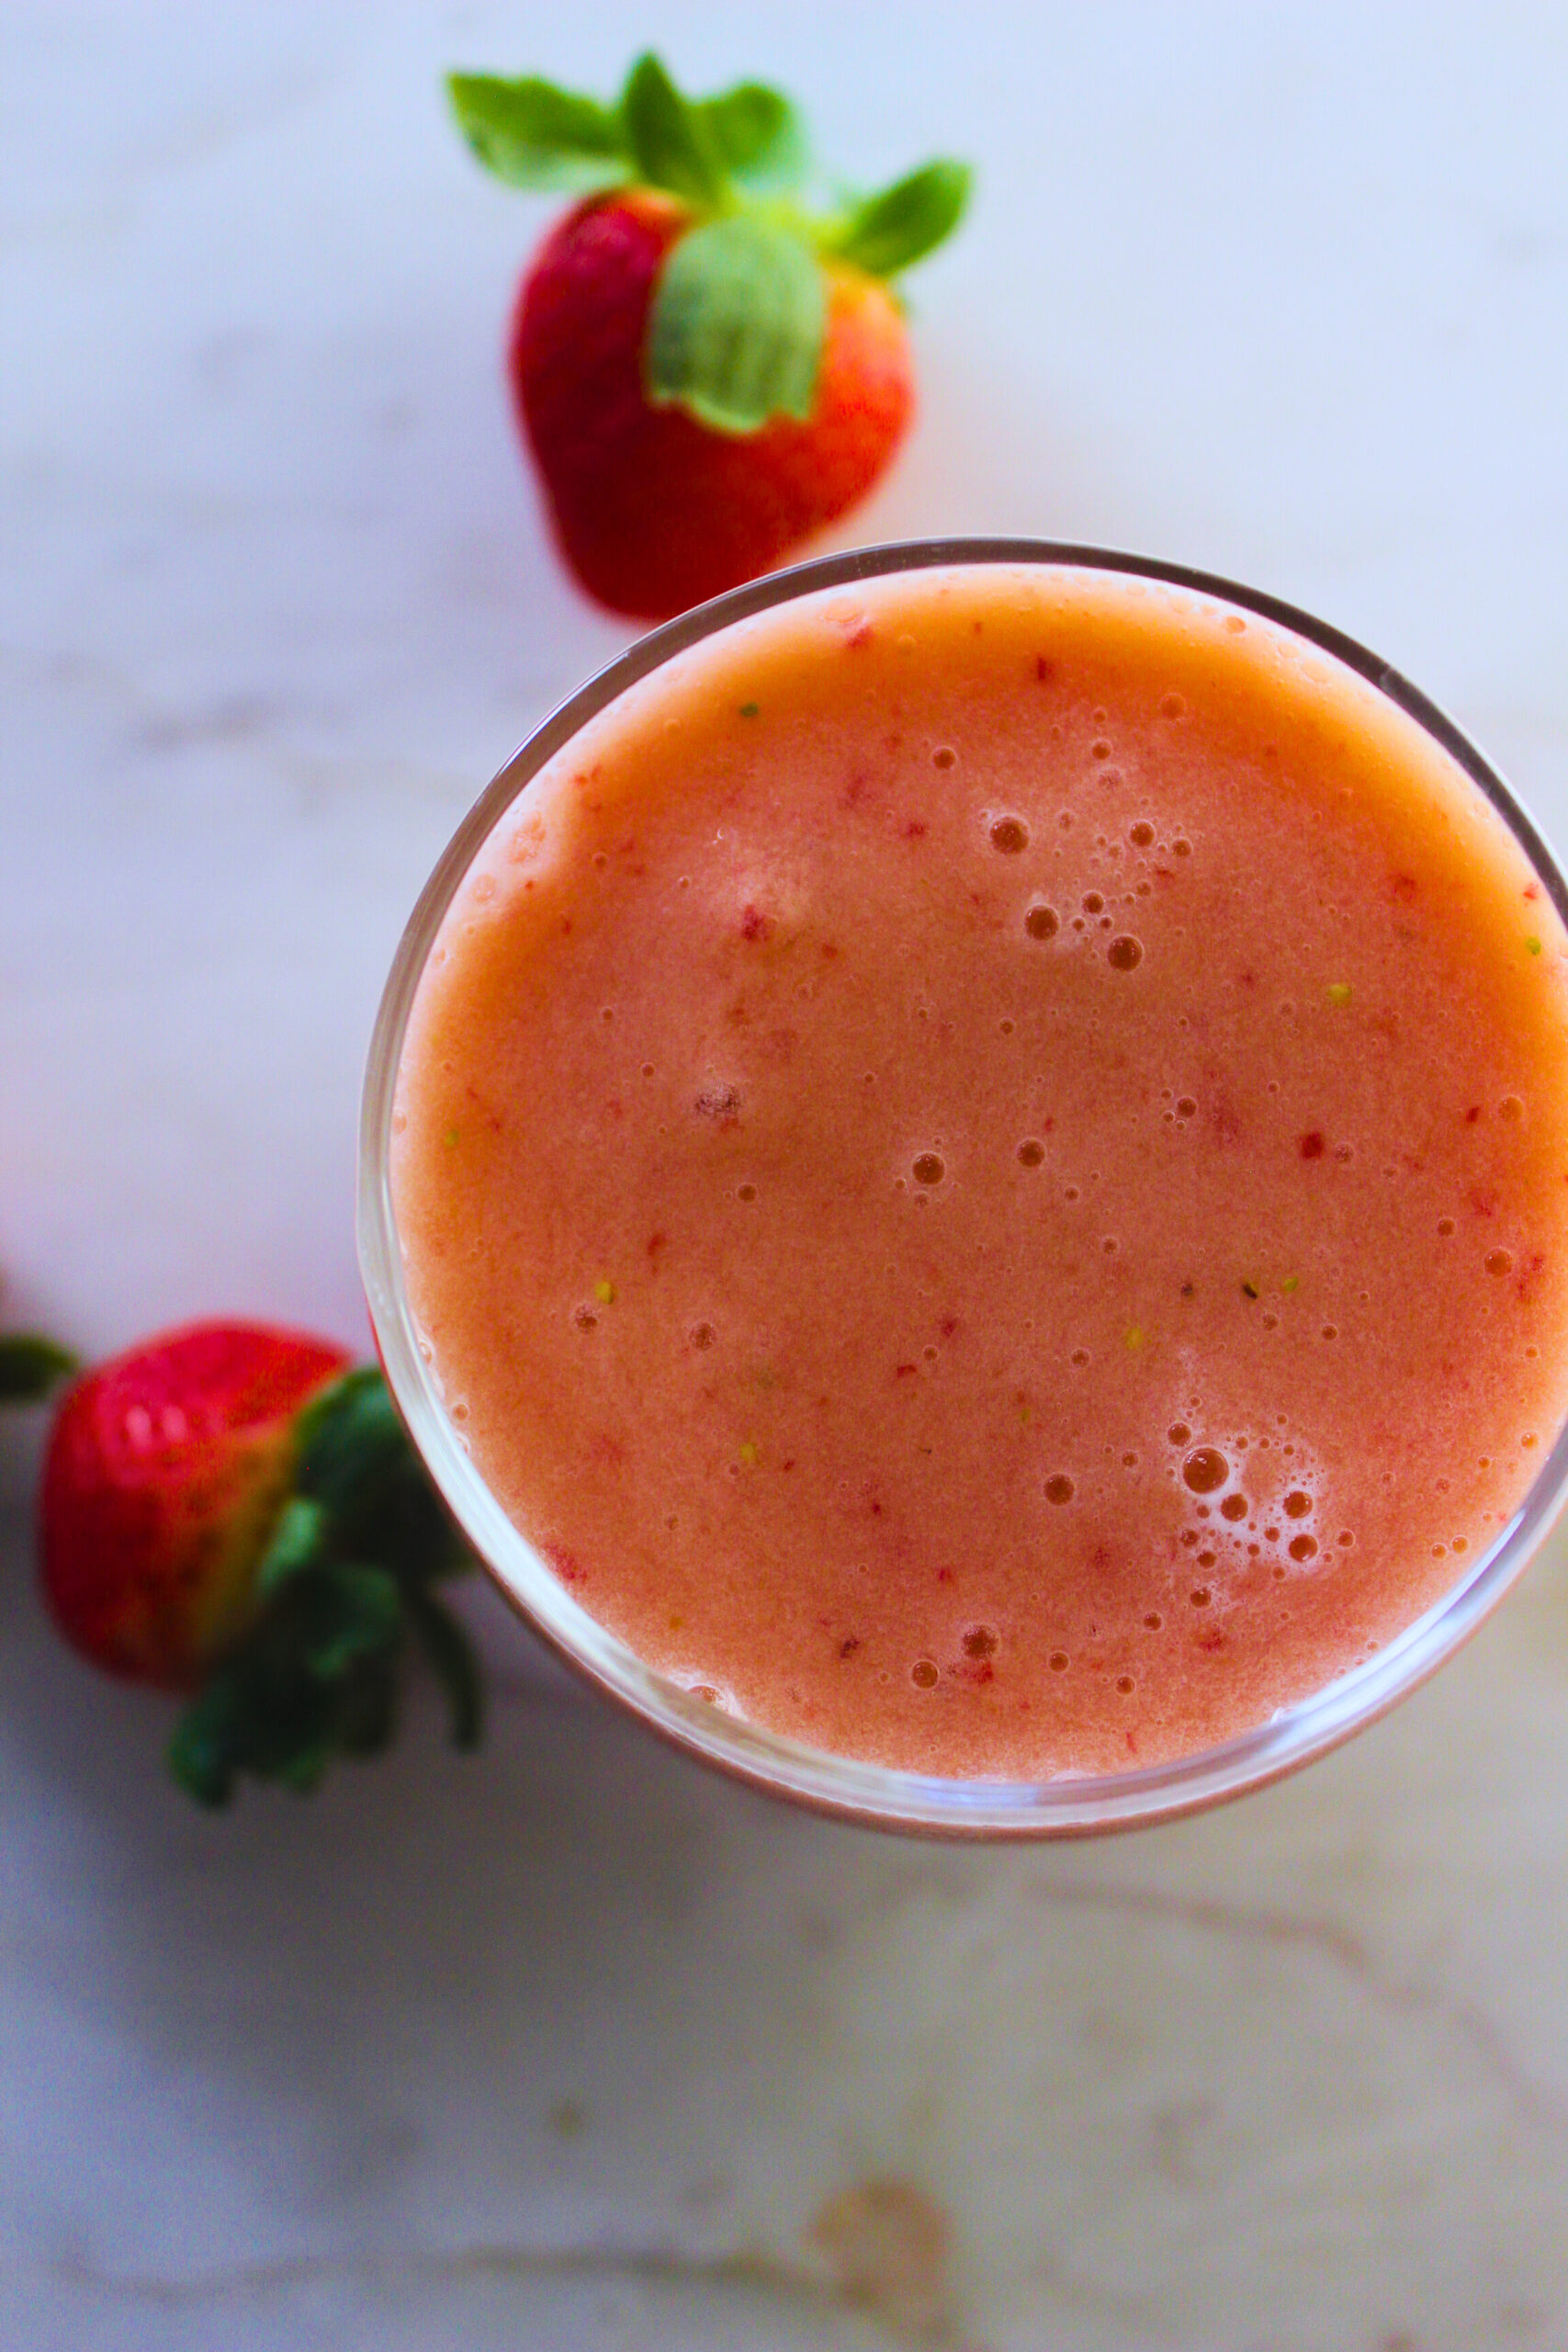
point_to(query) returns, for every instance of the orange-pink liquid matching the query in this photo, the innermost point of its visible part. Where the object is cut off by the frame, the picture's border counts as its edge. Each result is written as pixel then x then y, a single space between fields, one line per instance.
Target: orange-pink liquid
pixel 984 1162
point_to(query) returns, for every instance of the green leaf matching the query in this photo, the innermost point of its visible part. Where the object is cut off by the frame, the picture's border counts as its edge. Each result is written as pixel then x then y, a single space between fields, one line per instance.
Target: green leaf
pixel 534 135
pixel 201 1755
pixel 297 1542
pixel 351 1441
pixel 757 133
pixel 343 1587
pixel 29 1367
pixel 304 1769
pixel 669 141
pixel 452 1662
pixel 737 325
pixel 367 1707
pixel 884 233
pixel 358 1612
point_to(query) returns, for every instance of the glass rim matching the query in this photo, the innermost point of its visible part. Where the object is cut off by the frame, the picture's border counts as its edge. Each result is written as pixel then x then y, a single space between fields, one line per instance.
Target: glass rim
pixel 850 1787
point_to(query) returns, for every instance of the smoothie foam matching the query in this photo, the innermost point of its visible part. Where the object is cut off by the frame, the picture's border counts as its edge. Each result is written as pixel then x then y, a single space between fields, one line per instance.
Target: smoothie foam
pixel 983 1164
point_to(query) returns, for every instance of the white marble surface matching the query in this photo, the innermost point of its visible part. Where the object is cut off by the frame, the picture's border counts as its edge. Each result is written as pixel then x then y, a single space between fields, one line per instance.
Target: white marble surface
pixel 571 2047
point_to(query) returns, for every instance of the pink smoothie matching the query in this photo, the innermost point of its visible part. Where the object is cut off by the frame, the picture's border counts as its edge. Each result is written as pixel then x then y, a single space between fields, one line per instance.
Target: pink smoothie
pixel 983 1162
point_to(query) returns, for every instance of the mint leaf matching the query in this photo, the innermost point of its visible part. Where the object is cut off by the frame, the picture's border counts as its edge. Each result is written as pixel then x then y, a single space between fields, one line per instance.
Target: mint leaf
pixel 736 330
pixel 534 135
pixel 29 1367
pixel 884 233
pixel 670 142
pixel 757 133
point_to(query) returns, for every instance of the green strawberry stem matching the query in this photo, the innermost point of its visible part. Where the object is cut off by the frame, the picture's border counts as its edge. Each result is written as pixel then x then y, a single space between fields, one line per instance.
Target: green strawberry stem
pixel 346 1593
pixel 739 319
pixel 30 1367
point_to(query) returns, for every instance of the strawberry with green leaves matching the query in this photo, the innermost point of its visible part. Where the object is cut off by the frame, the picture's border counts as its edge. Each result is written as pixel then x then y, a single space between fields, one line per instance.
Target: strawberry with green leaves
pixel 234 1513
pixel 705 369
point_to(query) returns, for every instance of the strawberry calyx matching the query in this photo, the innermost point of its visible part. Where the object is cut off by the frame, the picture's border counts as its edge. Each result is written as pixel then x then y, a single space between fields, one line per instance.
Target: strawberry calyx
pixel 738 321
pixel 343 1590
pixel 30 1367
pixel 535 135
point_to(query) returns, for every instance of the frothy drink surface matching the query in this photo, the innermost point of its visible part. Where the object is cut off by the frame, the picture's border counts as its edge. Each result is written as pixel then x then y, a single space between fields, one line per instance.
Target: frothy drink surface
pixel 984 1164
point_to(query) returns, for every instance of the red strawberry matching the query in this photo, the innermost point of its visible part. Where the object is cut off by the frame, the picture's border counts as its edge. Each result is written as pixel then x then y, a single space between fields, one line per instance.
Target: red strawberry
pixel 230 1509
pixel 655 512
pixel 165 1474
pixel 706 373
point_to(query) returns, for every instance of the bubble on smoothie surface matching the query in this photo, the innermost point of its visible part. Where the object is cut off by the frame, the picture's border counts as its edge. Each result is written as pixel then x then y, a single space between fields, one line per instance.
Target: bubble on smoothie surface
pixel 1031 1151
pixel 928 1169
pixel 923 1674
pixel 1059 1487
pixel 1124 953
pixel 1009 835
pixel 1205 1470
pixel 1141 835
pixel 1041 922
pixel 945 756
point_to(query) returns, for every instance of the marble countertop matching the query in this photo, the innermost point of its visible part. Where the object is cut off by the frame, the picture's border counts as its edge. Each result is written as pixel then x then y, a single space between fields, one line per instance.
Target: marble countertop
pixel 572 2046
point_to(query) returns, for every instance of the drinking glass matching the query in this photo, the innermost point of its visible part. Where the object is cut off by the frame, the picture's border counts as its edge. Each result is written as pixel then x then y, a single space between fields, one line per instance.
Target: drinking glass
pixel 1068 1805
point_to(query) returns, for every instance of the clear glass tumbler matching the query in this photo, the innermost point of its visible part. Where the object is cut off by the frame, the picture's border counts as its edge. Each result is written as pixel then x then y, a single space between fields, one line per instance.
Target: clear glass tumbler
pixel 859 1790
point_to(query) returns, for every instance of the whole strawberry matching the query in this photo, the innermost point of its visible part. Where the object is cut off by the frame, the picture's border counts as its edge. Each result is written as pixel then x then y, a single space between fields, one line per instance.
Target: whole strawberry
pixel 231 1510
pixel 706 371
